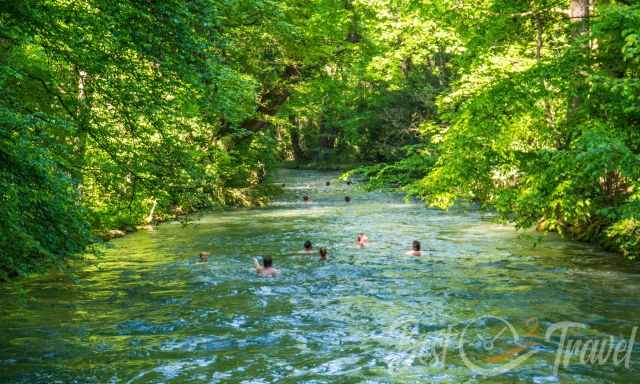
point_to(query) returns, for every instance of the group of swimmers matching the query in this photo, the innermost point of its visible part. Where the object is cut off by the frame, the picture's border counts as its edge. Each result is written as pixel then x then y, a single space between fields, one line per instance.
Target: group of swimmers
pixel 265 268
pixel 308 249
pixel 307 199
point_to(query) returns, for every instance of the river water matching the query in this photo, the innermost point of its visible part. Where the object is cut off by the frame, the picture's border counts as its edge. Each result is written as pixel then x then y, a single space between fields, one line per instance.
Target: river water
pixel 474 308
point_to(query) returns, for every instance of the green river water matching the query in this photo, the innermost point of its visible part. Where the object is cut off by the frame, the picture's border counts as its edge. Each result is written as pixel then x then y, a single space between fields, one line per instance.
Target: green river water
pixel 149 312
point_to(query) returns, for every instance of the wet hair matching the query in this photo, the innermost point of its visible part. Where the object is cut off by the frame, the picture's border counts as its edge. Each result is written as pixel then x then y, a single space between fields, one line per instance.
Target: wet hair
pixel 307 244
pixel 323 253
pixel 347 199
pixel 267 262
pixel 305 198
pixel 348 182
pixel 416 245
pixel 328 183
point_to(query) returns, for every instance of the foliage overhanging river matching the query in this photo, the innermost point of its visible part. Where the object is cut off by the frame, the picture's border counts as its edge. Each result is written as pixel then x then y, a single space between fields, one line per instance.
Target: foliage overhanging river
pixel 147 311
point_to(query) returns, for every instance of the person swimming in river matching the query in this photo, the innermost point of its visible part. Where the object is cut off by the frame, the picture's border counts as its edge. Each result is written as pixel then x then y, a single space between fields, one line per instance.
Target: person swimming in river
pixel 204 256
pixel 328 183
pixel 308 248
pixel 347 199
pixel 323 253
pixel 415 249
pixel 362 239
pixel 306 198
pixel 266 268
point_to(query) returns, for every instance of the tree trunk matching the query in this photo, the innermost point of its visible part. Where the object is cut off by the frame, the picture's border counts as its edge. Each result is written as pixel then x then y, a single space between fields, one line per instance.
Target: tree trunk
pixel 298 153
pixel 354 30
pixel 81 132
pixel 149 218
pixel 328 133
pixel 539 30
pixel 579 15
pixel 539 42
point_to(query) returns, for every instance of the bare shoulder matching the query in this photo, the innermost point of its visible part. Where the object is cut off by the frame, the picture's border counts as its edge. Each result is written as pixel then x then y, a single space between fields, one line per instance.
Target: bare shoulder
pixel 268 272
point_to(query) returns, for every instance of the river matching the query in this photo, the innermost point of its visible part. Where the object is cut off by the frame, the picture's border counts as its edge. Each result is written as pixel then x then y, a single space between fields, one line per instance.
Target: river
pixel 474 308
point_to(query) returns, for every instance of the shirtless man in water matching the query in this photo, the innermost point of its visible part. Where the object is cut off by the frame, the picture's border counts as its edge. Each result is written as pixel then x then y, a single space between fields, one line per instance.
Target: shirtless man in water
pixel 362 240
pixel 308 248
pixel 415 249
pixel 266 268
pixel 323 253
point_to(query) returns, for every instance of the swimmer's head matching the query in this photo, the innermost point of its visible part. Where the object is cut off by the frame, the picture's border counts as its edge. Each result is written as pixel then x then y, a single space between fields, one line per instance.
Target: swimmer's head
pixel 204 256
pixel 323 253
pixel 347 199
pixel 328 183
pixel 307 245
pixel 416 245
pixel 267 262
pixel 305 198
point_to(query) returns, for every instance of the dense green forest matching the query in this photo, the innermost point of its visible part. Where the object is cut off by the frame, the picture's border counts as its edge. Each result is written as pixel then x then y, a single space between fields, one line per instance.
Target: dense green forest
pixel 115 114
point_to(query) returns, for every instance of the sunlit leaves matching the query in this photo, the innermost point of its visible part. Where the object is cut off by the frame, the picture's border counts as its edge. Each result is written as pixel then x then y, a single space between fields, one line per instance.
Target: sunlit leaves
pixel 536 126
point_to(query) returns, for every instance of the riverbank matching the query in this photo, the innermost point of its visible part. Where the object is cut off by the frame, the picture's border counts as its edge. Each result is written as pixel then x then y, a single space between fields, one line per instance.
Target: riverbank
pixel 60 257
pixel 258 196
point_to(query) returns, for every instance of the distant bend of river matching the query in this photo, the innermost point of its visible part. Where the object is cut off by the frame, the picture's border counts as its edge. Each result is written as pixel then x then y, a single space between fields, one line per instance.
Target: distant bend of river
pixel 475 308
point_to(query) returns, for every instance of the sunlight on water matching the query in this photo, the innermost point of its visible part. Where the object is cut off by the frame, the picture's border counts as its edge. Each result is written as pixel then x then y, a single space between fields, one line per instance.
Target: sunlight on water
pixel 149 312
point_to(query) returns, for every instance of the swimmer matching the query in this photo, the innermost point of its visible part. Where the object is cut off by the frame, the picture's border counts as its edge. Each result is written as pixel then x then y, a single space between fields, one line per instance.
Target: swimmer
pixel 362 239
pixel 308 247
pixel 266 268
pixel 347 199
pixel 328 183
pixel 306 198
pixel 349 182
pixel 415 249
pixel 204 256
pixel 323 253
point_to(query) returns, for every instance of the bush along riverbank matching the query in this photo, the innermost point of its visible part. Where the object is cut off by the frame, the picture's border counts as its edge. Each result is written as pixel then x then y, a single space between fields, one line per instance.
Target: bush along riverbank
pixel 54 230
pixel 251 197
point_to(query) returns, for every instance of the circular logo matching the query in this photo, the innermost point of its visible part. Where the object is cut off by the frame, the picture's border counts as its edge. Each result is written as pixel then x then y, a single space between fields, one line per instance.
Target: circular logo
pixel 490 346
